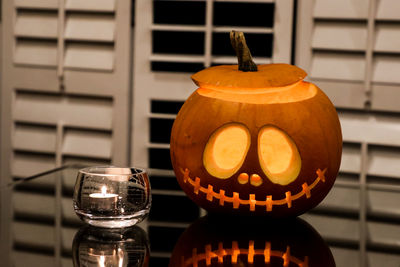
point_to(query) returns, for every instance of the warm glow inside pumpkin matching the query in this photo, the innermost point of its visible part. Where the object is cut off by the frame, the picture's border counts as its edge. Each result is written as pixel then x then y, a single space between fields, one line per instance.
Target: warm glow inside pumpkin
pixel 227 148
pixel 256 142
pixel 278 154
pixel 225 151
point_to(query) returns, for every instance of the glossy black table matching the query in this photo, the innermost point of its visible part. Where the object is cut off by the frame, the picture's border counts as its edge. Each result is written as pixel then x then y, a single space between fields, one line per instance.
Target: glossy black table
pixel 40 228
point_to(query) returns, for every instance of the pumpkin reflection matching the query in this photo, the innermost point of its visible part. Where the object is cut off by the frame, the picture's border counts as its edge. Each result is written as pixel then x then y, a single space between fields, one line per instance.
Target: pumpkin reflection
pixel 217 241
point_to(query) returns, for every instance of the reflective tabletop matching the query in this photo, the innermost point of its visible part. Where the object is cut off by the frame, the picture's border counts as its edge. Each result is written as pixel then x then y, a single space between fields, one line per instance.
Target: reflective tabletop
pixel 40 228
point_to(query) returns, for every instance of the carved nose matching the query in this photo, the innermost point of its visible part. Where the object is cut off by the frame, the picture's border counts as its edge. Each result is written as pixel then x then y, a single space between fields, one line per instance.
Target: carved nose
pixel 255 179
pixel 243 178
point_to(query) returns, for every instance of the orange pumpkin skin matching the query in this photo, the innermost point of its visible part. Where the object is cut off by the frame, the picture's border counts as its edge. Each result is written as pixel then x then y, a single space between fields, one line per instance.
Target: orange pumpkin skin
pixel 229 242
pixel 297 108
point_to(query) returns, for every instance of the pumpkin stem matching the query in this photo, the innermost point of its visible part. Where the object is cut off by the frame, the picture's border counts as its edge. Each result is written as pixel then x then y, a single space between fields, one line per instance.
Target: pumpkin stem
pixel 245 61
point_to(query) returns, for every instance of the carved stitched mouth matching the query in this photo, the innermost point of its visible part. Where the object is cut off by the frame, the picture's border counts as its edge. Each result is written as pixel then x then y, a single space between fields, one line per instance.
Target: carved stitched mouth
pixel 252 202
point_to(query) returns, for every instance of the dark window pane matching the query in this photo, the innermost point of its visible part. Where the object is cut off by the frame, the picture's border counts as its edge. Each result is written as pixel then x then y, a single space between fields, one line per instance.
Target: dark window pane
pixel 158 262
pixel 159 158
pixel 165 183
pixel 170 42
pixel 160 130
pixel 260 45
pixel 179 12
pixel 168 107
pixel 173 209
pixel 243 14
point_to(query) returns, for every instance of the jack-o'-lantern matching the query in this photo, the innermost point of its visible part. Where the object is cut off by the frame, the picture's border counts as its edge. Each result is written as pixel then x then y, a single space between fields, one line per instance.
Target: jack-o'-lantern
pixel 226 242
pixel 256 140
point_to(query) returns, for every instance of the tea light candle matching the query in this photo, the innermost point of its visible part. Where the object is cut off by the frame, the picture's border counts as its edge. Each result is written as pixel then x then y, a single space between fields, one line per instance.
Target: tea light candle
pixel 112 257
pixel 103 201
pixel 104 195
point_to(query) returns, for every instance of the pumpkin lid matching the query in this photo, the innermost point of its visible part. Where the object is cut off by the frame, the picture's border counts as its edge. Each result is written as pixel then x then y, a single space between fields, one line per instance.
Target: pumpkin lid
pixel 267 76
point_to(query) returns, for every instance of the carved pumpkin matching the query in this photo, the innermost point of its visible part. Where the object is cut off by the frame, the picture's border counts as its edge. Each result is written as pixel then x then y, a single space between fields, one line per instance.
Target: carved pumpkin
pixel 261 142
pixel 227 242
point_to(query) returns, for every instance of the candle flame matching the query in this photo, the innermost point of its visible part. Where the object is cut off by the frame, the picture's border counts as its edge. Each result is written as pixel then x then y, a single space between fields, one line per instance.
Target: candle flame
pixel 121 258
pixel 102 262
pixel 104 190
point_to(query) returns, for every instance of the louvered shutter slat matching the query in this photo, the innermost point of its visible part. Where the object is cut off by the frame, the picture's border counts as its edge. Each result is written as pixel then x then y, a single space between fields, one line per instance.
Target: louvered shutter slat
pixel 376 259
pixel 34 235
pixel 32 259
pixel 32 79
pixel 87 144
pixel 348 94
pixel 102 85
pixel 387 99
pixel 39 4
pixel 338 66
pixel 341 199
pixel 76 160
pixel 384 162
pixel 345 257
pixel 31 138
pixel 77 112
pixel 384 234
pixel 68 234
pixel 36 53
pixel 351 160
pixel 36 24
pixel 91 5
pixel 68 213
pixel 383 69
pixel 342 9
pixel 388 10
pixel 91 57
pixel 34 108
pixel 35 205
pixel 176 58
pixel 387 38
pixel 90 27
pixel 177 27
pixel 332 228
pixel 384 203
pixel 342 36
pixel 26 165
pixel 374 129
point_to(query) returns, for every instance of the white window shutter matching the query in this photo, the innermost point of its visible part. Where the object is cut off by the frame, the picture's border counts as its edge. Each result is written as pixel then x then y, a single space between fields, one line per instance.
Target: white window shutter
pixel 67 64
pixel 65 100
pixel 350 49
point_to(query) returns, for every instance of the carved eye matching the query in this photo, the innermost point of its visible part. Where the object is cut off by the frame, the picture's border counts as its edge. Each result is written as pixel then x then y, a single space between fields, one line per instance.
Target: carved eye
pixel 226 150
pixel 278 155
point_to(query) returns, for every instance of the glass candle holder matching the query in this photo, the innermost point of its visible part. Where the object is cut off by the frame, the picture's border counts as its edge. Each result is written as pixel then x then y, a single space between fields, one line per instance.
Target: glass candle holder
pixel 112 197
pixel 93 246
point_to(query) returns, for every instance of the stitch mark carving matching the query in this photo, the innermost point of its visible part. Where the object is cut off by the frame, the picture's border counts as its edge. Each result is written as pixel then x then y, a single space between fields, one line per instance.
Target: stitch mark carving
pixel 235 251
pixel 252 202
pixel 321 174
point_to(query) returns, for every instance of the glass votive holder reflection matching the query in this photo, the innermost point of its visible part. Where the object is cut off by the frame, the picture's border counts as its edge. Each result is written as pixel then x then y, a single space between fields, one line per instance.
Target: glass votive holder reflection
pixel 93 246
pixel 112 197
